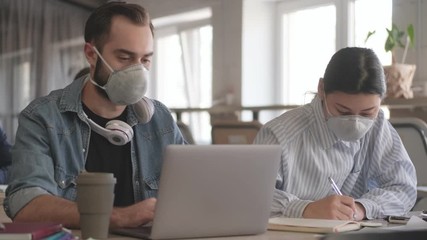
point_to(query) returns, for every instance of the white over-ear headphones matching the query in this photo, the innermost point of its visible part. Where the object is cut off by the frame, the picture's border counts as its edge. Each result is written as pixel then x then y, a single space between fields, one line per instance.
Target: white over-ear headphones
pixel 118 132
pixel 144 110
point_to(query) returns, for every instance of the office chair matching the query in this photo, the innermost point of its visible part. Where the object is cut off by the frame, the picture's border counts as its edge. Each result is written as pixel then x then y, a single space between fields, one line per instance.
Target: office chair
pixel 234 132
pixel 413 132
pixel 186 132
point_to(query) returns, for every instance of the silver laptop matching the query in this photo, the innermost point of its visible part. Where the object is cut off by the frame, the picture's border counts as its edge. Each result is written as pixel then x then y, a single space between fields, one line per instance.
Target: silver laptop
pixel 213 190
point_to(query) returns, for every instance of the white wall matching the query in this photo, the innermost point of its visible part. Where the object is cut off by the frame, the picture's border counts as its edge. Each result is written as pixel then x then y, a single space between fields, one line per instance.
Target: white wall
pixel 227 49
pixel 415 12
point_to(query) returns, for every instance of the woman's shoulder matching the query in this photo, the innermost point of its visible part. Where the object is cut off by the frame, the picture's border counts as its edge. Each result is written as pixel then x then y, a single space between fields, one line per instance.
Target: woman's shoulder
pixel 382 131
pixel 292 121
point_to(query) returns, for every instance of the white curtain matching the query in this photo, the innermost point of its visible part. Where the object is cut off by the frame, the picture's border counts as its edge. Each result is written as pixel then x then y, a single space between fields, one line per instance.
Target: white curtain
pixel 197 80
pixel 183 72
pixel 190 42
pixel 41 49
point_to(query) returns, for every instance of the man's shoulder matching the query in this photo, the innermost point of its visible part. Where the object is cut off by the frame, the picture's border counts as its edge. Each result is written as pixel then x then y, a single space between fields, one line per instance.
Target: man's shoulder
pixel 162 114
pixel 160 107
pixel 43 103
pixel 56 100
pixel 158 104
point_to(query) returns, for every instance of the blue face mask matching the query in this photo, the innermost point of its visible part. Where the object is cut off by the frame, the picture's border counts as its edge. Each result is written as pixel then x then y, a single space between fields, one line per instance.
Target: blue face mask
pixel 348 128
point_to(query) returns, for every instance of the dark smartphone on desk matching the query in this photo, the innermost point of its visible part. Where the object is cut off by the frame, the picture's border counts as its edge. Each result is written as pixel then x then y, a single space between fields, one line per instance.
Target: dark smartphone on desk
pixel 403 219
pixel 397 219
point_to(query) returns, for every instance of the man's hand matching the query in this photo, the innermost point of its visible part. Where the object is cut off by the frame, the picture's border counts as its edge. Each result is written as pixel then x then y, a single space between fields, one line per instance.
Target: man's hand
pixel 332 207
pixel 134 215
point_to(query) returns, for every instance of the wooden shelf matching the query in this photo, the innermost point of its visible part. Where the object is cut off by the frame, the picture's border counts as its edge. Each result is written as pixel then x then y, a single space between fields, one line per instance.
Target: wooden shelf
pixel 227 109
pixel 391 103
pixel 405 103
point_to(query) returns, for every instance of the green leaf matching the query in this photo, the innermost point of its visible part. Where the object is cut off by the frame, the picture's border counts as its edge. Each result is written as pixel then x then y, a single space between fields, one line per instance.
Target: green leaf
pixel 369 35
pixel 411 34
pixel 396 37
pixel 390 41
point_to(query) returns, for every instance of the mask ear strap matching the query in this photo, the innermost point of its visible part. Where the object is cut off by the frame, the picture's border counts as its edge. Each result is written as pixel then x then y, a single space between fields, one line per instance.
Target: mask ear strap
pixel 103 60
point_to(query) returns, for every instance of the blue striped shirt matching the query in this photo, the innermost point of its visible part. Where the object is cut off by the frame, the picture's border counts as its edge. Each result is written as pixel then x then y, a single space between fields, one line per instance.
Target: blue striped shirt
pixel 375 170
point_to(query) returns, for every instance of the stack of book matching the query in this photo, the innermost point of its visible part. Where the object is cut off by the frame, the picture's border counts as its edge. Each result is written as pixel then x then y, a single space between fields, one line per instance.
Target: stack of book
pixel 34 231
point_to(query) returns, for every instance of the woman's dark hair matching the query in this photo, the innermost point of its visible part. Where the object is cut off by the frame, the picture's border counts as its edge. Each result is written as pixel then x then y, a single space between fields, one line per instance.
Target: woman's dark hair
pixel 98 25
pixel 354 70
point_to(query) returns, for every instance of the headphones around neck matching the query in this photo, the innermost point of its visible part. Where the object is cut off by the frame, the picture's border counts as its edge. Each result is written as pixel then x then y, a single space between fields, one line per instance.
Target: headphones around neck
pixel 118 132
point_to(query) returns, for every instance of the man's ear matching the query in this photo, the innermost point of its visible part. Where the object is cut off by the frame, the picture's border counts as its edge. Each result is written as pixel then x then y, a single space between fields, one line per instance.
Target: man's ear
pixel 90 54
pixel 321 89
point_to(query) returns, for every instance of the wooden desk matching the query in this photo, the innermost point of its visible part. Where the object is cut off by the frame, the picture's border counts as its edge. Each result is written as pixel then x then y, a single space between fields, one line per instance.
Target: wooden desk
pixel 282 235
pixel 269 235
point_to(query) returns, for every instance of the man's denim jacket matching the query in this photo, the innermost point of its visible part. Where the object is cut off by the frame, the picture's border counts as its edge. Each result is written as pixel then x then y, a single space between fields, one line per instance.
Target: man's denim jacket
pixel 52 143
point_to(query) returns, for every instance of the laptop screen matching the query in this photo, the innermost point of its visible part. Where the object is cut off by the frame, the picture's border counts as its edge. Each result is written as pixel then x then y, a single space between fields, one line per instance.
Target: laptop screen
pixel 215 190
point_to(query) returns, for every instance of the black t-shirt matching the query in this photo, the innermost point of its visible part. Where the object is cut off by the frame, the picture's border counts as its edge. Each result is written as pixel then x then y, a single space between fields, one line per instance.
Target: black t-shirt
pixel 104 156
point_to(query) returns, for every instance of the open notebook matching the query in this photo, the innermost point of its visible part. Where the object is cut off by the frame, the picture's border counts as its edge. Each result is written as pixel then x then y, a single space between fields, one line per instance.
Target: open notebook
pixel 213 190
pixel 312 225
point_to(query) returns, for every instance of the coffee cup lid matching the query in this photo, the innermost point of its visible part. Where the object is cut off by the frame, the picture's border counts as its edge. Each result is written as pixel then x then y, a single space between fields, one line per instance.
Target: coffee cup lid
pixel 95 178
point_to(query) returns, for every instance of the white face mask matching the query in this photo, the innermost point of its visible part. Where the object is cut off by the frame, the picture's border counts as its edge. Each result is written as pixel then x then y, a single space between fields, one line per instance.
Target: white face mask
pixel 348 127
pixel 125 86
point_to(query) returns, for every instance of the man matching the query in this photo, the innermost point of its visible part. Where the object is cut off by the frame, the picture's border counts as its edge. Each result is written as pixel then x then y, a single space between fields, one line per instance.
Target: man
pixel 60 135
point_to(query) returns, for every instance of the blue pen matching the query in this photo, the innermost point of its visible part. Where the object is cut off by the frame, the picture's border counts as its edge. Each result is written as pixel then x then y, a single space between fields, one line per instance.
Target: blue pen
pixel 337 191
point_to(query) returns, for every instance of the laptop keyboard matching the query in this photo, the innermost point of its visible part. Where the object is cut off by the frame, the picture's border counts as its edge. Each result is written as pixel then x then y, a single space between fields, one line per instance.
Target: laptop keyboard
pixel 140 232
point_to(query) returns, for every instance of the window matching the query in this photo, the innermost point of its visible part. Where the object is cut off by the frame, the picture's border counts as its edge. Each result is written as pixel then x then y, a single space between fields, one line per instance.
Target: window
pixel 183 67
pixel 365 11
pixel 311 31
pixel 309 41
pixel 15 94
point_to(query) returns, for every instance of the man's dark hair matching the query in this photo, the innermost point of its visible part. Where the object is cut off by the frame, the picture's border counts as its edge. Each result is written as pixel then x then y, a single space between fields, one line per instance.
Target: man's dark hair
pixel 84 71
pixel 98 25
pixel 355 70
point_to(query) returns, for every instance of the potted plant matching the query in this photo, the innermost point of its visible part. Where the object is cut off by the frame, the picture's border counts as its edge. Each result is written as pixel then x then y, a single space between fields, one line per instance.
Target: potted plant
pixel 398 75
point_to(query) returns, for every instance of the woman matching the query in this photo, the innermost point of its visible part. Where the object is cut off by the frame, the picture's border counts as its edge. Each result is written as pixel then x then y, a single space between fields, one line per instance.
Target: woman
pixel 343 135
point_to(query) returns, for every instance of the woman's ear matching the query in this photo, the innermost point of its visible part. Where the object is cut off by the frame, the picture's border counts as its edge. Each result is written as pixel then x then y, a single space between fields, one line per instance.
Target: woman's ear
pixel 321 89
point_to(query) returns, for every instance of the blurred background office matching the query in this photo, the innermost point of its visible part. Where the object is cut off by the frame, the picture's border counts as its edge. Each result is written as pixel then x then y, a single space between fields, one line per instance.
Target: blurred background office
pixel 5 157
pixel 210 54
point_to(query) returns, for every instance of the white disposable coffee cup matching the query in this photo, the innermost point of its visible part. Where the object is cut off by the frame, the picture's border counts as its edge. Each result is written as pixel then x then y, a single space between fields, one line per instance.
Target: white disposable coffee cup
pixel 95 198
